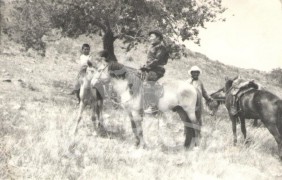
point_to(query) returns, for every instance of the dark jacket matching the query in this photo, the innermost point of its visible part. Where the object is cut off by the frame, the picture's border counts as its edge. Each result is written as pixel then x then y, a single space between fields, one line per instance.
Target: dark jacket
pixel 157 56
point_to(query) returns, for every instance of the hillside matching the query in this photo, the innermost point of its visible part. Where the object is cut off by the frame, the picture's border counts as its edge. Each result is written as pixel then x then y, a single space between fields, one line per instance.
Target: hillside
pixel 38 117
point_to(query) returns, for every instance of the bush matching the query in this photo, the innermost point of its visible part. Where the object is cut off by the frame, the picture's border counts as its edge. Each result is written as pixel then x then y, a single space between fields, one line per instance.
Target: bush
pixel 276 74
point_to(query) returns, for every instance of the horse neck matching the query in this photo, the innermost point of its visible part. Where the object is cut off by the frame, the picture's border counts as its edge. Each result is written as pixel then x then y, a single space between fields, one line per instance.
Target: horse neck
pixel 120 85
pixel 132 80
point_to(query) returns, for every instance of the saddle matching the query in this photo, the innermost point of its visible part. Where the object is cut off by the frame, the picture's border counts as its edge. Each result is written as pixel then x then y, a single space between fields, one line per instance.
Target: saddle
pixel 243 90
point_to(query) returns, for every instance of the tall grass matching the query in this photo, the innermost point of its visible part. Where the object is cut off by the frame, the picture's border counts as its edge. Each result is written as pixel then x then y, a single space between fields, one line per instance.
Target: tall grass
pixel 37 139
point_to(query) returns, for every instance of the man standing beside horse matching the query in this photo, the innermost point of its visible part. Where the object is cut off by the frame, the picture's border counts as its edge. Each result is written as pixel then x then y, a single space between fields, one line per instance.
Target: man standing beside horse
pixel 195 72
pixel 157 57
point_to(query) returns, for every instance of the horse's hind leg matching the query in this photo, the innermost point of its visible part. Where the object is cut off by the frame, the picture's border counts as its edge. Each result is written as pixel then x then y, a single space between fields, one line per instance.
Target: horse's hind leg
pixel 255 123
pixel 234 121
pixel 272 128
pixel 136 124
pixel 188 126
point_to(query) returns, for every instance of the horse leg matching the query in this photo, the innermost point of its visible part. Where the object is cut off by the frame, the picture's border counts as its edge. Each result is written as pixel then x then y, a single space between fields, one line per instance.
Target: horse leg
pixel 99 113
pixel 77 95
pixel 243 127
pixel 278 138
pixel 255 123
pixel 81 108
pixel 188 126
pixel 234 121
pixel 93 114
pixel 136 124
pixel 196 125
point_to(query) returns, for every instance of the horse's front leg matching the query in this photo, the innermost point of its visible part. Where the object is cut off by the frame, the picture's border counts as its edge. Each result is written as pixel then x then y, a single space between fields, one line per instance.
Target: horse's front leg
pixel 136 124
pixel 234 121
pixel 243 127
pixel 79 116
pixel 99 113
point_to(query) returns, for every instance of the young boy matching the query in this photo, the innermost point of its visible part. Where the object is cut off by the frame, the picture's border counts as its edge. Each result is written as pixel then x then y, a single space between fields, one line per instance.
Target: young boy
pixel 85 57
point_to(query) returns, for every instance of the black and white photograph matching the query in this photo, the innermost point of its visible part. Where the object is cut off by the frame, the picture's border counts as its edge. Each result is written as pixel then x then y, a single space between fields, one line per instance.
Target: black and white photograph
pixel 141 89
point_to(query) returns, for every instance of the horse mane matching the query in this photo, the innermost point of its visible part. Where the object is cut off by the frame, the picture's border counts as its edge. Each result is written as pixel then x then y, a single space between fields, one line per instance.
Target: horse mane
pixel 132 75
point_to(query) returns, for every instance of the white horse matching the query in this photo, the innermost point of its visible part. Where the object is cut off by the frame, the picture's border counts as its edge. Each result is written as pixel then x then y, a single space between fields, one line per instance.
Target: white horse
pixel 180 97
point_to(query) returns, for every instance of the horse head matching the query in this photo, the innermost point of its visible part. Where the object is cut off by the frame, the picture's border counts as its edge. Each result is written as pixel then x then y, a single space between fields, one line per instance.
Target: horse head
pixel 229 82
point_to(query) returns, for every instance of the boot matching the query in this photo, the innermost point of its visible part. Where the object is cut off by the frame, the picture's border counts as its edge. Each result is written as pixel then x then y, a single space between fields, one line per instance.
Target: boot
pixel 153 101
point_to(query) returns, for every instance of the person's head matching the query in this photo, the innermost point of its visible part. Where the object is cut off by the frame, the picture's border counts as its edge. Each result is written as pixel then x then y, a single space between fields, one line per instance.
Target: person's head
pixel 155 37
pixel 195 72
pixel 85 49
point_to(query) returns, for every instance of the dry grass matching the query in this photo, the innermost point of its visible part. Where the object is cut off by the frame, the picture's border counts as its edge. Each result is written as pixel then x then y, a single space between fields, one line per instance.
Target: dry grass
pixel 38 120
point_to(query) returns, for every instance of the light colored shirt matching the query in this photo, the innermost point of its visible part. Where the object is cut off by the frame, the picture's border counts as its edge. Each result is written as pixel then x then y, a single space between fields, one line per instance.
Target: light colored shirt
pixel 200 86
pixel 84 59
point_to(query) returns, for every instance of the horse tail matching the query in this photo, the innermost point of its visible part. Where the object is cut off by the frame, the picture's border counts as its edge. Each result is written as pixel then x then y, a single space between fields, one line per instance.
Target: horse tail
pixel 279 116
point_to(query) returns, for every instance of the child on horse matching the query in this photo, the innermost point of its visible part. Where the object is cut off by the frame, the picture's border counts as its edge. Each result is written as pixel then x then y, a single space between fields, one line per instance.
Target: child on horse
pixel 85 58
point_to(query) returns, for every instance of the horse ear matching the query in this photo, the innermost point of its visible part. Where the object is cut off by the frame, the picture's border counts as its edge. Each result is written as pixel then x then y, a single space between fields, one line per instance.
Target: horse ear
pixel 89 64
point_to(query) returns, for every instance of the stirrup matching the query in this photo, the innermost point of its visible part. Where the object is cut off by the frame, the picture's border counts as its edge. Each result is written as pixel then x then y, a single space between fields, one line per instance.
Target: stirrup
pixel 151 110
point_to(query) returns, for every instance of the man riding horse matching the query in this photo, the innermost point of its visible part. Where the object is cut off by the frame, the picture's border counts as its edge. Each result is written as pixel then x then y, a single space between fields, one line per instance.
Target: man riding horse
pixel 156 59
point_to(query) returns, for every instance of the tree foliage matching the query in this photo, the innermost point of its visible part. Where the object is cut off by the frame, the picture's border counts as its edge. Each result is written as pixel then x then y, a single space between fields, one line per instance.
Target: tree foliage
pixel 130 19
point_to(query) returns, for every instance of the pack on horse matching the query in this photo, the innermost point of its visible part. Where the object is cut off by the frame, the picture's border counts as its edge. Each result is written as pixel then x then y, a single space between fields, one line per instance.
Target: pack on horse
pixel 253 103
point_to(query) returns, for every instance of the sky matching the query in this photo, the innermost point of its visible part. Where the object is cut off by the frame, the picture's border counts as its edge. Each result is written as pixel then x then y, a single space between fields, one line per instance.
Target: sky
pixel 251 36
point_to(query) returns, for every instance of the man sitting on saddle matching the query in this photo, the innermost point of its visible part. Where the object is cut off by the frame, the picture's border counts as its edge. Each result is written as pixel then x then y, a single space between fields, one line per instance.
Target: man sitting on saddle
pixel 195 71
pixel 239 87
pixel 157 57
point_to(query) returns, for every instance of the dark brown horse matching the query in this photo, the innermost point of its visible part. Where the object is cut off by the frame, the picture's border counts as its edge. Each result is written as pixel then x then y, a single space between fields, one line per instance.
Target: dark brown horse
pixel 256 104
pixel 219 99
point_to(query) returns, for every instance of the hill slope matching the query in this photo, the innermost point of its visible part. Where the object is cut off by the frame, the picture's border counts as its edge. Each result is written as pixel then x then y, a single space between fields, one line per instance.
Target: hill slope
pixel 38 118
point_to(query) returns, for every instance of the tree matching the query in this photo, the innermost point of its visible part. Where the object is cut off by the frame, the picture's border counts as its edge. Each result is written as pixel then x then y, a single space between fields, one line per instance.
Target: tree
pixel 130 19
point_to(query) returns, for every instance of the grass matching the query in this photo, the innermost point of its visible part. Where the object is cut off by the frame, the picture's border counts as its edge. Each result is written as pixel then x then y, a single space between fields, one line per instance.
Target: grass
pixel 37 140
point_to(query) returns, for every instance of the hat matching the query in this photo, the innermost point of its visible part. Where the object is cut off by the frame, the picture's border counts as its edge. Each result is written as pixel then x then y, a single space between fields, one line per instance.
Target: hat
pixel 195 68
pixel 157 33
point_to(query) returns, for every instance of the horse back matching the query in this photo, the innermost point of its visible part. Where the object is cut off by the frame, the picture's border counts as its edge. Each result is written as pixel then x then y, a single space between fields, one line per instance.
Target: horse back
pixel 258 103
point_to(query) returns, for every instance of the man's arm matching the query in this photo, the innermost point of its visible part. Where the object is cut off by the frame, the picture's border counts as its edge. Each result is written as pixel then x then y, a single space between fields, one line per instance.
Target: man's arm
pixel 204 93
